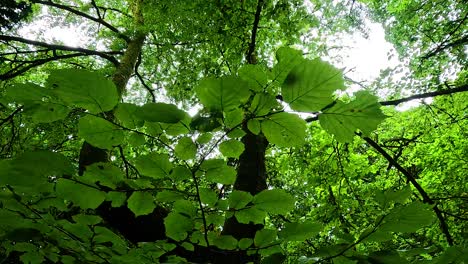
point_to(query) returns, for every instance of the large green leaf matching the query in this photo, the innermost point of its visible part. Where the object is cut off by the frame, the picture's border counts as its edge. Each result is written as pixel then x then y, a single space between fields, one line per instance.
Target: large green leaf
pixel 185 149
pixel 264 237
pixel 343 119
pixel 82 88
pixel 284 129
pixel 310 85
pixel 231 148
pixel 33 168
pixel 222 94
pixel 274 201
pixel 222 242
pixel 83 195
pixel 141 203
pixel 25 93
pixel 217 171
pixel 263 104
pixel 154 165
pixel 239 199
pixel 46 112
pixel 37 102
pixel 255 75
pixel 300 231
pixel 251 214
pixel 177 226
pixel 127 115
pixel 100 132
pixel 287 59
pixel 160 112
pixel 408 218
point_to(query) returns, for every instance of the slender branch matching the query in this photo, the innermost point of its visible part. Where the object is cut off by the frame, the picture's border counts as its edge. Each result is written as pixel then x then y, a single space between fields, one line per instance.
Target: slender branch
pixel 20 70
pixel 103 54
pixel 82 14
pixel 443 46
pixel 410 178
pixel 462 88
pixel 8 118
pixel 149 89
pixel 252 43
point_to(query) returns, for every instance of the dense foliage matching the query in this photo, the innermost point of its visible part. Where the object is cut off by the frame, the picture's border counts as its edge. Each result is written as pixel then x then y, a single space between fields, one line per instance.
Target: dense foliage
pixel 101 162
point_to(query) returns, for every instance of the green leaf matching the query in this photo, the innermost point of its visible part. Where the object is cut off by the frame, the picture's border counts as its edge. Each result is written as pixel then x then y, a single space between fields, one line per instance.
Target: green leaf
pixel 222 94
pixel 180 173
pixel 233 118
pixel 284 129
pixel 264 237
pixel 343 119
pixel 106 174
pixel 160 112
pixel 251 214
pixel 32 257
pixel 100 132
pixel 239 199
pixel 87 219
pixel 204 138
pixel 154 165
pixel 117 198
pixel 82 88
pixel 263 104
pixel 300 231
pixel 245 243
pixel 390 196
pixel 186 149
pixel 217 171
pixel 255 75
pixel 26 93
pixel 34 168
pixel 177 226
pixel 82 195
pixel 254 126
pixel 208 196
pixel 274 201
pixel 223 242
pixel 46 112
pixel 127 114
pixel 387 257
pixel 185 207
pixel 141 203
pixel 168 196
pixel 231 148
pixel 287 58
pixel 310 85
pixel 408 218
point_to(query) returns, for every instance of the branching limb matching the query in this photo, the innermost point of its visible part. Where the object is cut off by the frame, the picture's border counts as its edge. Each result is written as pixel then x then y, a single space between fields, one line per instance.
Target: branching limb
pixel 147 87
pixel 462 88
pixel 103 54
pixel 250 52
pixel 410 178
pixel 82 14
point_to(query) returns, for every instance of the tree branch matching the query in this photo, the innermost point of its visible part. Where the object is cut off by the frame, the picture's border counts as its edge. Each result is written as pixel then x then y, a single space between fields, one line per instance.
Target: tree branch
pixel 103 54
pixel 10 117
pixel 410 178
pixel 82 14
pixel 20 70
pixel 462 88
pixel 252 43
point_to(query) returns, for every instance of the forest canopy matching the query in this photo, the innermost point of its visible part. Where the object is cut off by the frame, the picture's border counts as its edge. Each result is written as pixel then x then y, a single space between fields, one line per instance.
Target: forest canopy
pixel 224 132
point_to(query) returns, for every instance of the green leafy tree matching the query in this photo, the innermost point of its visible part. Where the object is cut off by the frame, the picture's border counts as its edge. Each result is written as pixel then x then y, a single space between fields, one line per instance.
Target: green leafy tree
pixel 102 163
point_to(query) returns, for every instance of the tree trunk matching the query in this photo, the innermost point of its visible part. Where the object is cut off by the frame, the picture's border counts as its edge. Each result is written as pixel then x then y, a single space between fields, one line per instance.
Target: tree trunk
pixel 251 177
